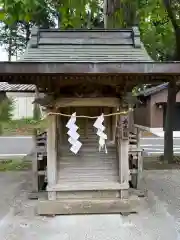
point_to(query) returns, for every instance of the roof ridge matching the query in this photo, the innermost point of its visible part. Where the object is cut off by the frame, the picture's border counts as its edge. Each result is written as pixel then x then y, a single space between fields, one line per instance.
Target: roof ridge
pixel 85 30
pixel 85 45
pixel 36 31
pixel 136 37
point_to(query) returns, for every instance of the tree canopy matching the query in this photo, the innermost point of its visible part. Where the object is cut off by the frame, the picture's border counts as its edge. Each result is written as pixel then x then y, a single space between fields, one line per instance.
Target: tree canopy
pixel 158 20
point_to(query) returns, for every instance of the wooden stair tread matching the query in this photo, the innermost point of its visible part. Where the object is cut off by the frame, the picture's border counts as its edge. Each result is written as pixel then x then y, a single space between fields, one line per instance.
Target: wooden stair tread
pixel 88 186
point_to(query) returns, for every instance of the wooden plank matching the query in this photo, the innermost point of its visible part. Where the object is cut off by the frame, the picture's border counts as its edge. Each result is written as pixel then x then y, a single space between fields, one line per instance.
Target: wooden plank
pixel 41 141
pixel 91 102
pixel 90 206
pixel 88 186
pixel 101 194
pixel 135 150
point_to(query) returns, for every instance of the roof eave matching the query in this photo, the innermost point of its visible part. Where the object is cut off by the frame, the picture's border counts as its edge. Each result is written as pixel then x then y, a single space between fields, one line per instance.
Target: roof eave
pixel 153 90
pixel 145 68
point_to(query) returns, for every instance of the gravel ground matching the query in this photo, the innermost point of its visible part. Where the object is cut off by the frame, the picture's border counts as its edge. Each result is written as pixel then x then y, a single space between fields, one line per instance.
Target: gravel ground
pixel 155 221
pixel 166 186
pixel 11 184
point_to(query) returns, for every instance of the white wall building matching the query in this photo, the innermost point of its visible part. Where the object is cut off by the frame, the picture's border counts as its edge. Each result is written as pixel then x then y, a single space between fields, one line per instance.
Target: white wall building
pixel 22 96
pixel 23 104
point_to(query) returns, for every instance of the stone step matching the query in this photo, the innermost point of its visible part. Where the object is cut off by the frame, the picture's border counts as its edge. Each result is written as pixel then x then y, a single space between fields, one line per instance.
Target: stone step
pixel 87 206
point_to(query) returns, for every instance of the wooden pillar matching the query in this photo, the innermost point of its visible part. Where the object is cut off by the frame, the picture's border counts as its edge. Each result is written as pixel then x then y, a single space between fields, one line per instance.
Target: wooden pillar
pixel 107 122
pixel 140 157
pixel 58 135
pixel 35 181
pixel 35 188
pixel 51 155
pixel 123 154
pixel 114 124
pixel 131 121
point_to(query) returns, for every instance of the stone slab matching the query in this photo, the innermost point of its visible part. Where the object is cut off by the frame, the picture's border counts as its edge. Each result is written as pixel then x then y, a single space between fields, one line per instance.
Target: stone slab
pixel 83 206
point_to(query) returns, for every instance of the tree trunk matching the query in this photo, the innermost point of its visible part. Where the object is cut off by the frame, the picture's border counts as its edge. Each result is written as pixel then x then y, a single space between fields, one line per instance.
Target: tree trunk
pixel 10 45
pixel 168 133
pixel 168 137
pixel 109 10
pixel 105 16
pixel 28 32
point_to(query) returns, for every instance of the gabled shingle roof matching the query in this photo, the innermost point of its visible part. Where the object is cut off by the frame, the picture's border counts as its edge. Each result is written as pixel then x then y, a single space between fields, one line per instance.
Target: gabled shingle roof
pixel 153 90
pixel 54 45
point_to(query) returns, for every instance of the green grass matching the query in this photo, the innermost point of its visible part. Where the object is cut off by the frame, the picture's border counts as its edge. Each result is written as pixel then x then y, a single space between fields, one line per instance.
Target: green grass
pixel 14 165
pixel 22 127
pixel 155 163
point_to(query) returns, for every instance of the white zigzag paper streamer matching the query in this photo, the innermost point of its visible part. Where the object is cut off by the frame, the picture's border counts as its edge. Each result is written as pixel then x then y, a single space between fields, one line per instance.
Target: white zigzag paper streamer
pixel 73 135
pixel 100 132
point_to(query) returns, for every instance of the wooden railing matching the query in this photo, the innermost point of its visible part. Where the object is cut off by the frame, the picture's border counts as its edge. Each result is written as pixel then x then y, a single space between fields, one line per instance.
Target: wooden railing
pixel 40 160
pixel 139 155
pixel 39 164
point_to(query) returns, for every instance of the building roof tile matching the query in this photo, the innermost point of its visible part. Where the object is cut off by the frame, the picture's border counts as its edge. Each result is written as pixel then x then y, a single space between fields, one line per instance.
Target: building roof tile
pixel 6 87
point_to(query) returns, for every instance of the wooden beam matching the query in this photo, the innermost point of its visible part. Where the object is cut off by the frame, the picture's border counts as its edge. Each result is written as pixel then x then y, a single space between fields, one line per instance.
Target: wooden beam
pixel 87 102
pixel 162 68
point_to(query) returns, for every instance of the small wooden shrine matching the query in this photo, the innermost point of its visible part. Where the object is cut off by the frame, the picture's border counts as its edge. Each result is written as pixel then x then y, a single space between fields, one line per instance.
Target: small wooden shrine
pixel 87 72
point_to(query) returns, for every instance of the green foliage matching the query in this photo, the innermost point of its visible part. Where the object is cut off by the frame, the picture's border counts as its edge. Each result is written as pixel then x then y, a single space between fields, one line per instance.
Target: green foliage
pixel 13 39
pixel 16 20
pixel 36 112
pixel 6 108
pixel 156 30
pixel 24 126
pixel 24 10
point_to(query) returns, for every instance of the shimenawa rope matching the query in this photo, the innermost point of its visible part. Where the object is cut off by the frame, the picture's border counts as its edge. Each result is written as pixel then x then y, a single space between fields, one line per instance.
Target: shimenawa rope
pixel 92 117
